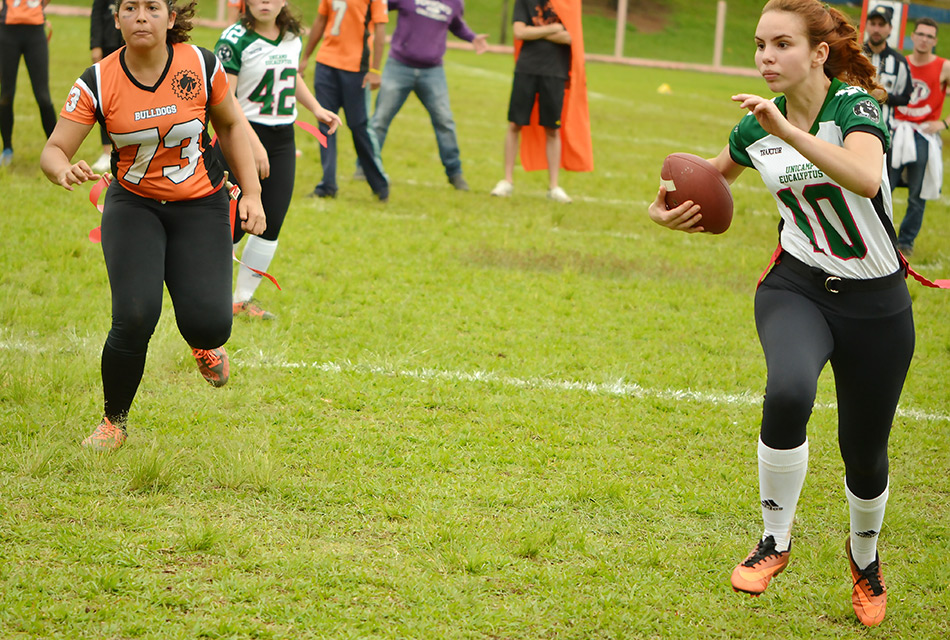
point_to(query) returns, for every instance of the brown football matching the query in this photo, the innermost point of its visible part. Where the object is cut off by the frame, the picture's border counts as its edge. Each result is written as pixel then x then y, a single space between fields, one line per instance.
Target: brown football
pixel 689 177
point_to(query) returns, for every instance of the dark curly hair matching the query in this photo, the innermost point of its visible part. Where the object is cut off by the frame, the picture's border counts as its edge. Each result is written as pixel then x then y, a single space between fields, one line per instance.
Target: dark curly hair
pixel 288 20
pixel 183 16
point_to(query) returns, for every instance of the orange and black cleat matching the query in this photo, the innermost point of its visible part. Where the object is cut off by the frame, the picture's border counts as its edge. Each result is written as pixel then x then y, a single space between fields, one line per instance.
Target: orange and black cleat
pixel 868 594
pixel 251 309
pixel 106 437
pixel 752 575
pixel 213 365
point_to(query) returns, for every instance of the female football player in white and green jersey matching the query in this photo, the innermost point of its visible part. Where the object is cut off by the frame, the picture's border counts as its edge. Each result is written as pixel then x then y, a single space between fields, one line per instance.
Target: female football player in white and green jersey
pixel 260 54
pixel 836 290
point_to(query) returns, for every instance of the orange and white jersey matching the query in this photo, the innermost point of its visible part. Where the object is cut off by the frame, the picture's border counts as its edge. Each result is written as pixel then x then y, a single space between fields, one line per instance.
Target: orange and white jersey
pixel 347 38
pixel 159 133
pixel 22 12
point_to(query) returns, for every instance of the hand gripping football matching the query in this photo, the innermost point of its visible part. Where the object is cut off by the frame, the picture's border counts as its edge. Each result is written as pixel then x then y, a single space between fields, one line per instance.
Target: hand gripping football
pixel 689 177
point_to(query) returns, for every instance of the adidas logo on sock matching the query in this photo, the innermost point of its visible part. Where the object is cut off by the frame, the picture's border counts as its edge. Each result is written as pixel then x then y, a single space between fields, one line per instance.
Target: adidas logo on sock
pixel 771 505
pixel 870 533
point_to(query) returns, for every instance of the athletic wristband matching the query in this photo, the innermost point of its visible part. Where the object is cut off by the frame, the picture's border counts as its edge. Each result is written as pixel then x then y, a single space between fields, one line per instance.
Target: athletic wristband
pixel 376 71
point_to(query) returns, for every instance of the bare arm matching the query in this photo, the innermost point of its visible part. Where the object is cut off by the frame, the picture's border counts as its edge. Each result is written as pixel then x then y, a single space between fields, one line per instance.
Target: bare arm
pixel 857 166
pixel 261 161
pixel 316 34
pixel 561 37
pixel 308 101
pixel 56 158
pixel 373 78
pixel 523 31
pixel 237 151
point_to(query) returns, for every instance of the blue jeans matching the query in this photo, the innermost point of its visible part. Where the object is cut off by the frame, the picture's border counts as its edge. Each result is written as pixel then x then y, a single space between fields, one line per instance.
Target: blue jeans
pixel 399 80
pixel 336 88
pixel 914 217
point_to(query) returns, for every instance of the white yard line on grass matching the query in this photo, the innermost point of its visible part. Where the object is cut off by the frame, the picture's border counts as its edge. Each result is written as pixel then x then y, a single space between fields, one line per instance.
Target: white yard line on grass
pixel 619 388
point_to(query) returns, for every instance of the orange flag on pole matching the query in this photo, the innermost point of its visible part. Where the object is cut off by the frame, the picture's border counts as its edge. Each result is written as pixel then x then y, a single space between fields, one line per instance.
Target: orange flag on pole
pixel 577 153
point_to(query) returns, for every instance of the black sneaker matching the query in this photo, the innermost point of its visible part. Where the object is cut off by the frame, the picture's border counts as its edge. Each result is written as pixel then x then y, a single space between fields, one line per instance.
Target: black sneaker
pixel 321 191
pixel 458 181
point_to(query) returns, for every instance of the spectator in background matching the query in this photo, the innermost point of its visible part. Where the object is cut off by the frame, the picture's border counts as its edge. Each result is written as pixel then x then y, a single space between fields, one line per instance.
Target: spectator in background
pixel 104 39
pixel 917 160
pixel 346 68
pixel 892 70
pixel 415 66
pixel 23 35
pixel 550 56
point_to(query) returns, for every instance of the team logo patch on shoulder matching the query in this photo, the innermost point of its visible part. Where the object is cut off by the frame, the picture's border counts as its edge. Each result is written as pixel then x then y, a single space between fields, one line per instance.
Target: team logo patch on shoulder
pixel 186 84
pixel 867 109
pixel 224 53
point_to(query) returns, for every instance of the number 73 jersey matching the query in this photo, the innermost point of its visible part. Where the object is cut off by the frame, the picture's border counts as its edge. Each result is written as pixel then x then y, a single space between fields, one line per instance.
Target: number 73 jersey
pixel 159 132
pixel 825 225
pixel 266 73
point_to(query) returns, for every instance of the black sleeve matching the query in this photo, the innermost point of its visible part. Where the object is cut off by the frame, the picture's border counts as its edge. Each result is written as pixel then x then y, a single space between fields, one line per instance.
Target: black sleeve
pixel 96 20
pixel 902 98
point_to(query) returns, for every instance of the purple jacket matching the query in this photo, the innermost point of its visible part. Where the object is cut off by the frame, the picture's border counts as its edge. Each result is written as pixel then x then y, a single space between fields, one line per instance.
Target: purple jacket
pixel 419 39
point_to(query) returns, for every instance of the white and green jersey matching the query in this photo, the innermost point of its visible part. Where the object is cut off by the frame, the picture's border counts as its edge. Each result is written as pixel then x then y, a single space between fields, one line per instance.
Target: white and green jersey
pixel 266 71
pixel 825 225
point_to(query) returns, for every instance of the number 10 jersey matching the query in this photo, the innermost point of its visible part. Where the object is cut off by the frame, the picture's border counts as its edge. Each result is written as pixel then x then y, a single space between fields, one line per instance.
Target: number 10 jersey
pixel 825 225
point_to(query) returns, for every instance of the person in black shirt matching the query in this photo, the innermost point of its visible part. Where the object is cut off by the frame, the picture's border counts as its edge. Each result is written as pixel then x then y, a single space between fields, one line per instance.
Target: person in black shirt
pixel 541 72
pixel 104 39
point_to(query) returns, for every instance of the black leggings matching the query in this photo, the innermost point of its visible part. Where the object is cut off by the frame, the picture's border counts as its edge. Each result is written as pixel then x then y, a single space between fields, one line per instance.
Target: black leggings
pixel 185 245
pixel 277 189
pixel 29 42
pixel 801 327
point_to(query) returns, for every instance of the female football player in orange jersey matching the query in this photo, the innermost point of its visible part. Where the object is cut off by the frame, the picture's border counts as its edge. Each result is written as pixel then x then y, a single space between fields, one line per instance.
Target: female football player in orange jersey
pixel 836 290
pixel 260 55
pixel 166 216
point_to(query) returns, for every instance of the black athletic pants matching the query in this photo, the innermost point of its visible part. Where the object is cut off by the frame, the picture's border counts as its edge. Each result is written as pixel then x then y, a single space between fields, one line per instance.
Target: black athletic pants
pixel 29 42
pixel 868 336
pixel 277 189
pixel 184 245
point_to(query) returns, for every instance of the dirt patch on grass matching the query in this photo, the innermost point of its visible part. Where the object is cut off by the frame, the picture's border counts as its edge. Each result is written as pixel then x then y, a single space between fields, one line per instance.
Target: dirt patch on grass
pixel 648 16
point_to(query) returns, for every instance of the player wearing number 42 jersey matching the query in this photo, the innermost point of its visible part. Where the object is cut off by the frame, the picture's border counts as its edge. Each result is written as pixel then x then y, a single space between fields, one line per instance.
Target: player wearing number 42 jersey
pixel 260 54
pixel 165 218
pixel 835 291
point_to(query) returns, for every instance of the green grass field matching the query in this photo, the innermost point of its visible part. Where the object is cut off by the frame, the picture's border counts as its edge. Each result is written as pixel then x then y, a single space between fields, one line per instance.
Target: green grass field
pixel 475 418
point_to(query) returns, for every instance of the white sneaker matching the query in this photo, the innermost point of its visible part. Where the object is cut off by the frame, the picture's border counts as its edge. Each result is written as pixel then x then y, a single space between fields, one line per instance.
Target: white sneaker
pixel 103 164
pixel 558 195
pixel 503 189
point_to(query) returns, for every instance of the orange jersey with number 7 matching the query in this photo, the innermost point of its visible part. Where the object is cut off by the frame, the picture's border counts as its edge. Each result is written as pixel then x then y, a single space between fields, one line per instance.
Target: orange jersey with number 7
pixel 348 36
pixel 160 132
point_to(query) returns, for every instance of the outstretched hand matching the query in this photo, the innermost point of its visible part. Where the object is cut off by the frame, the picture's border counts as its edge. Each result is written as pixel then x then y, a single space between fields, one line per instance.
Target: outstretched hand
pixel 686 217
pixel 766 113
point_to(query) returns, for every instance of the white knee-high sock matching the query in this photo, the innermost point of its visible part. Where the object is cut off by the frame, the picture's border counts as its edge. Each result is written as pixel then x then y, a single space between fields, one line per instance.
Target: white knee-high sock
pixel 257 254
pixel 781 476
pixel 867 518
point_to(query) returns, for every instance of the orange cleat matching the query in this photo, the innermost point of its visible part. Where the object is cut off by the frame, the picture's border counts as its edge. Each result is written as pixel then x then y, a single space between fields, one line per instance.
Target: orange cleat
pixel 213 365
pixel 251 309
pixel 752 575
pixel 106 437
pixel 868 593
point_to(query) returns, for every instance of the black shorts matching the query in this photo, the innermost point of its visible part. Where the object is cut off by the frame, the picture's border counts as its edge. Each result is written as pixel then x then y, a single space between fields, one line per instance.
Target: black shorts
pixel 549 91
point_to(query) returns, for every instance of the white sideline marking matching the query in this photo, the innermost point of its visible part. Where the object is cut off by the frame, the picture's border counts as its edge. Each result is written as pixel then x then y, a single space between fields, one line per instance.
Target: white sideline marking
pixel 618 388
